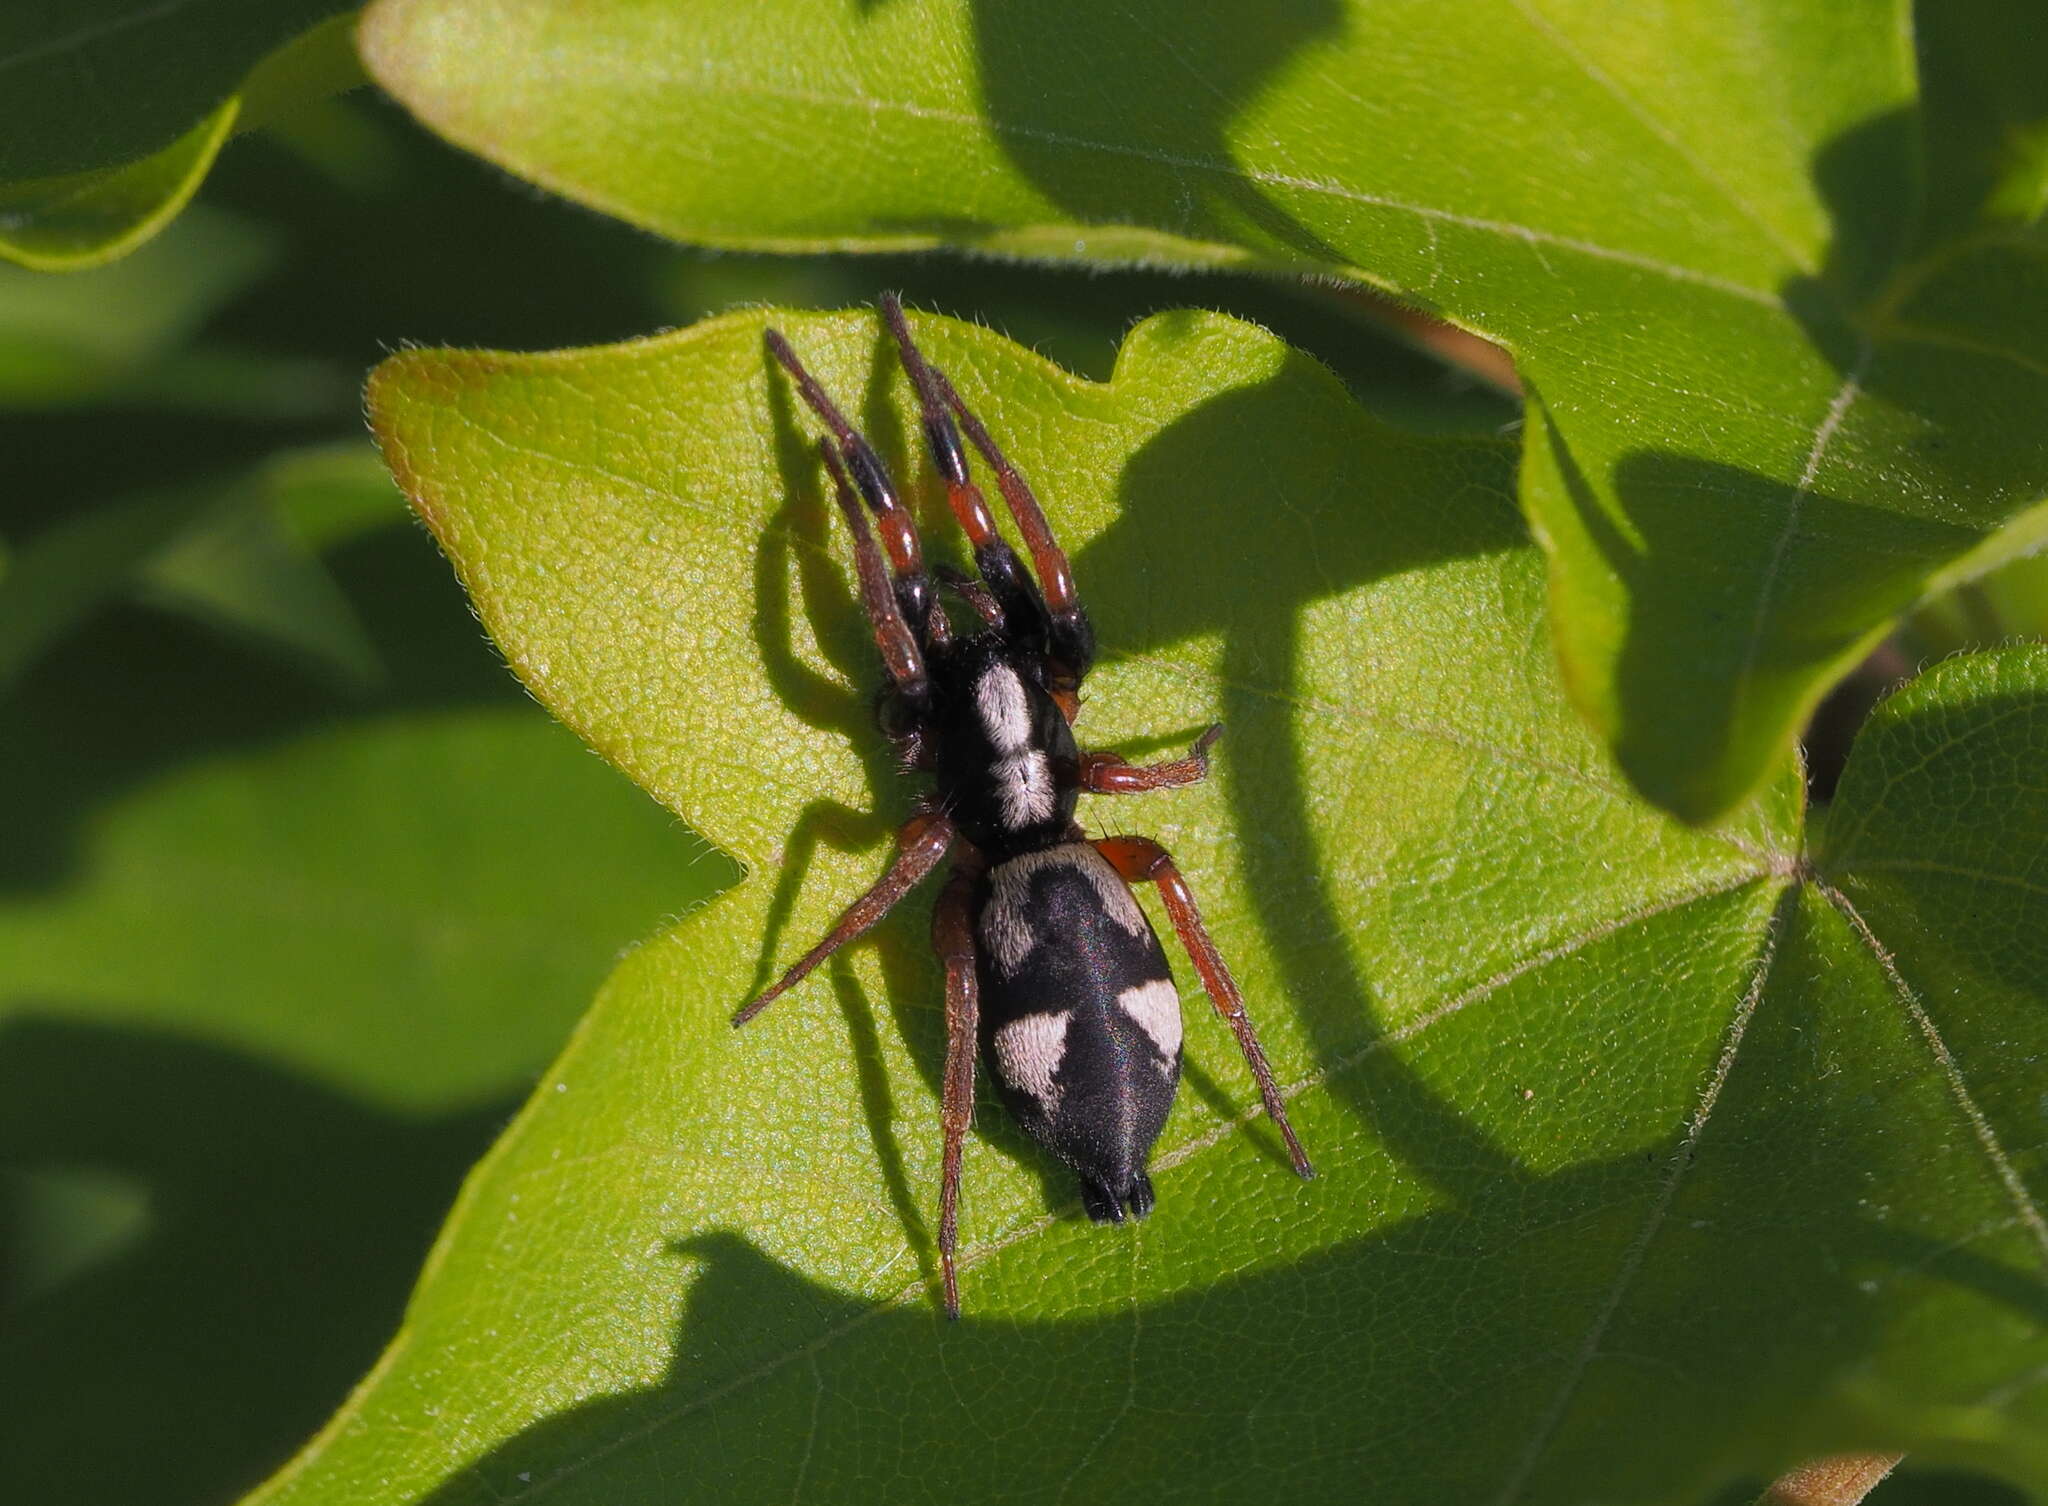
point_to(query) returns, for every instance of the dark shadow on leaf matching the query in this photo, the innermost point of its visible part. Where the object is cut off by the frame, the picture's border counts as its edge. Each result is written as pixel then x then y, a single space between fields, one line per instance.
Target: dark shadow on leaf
pixel 800 539
pixel 1434 1347
pixel 779 1388
pixel 1123 120
pixel 1209 476
pixel 285 1224
pixel 878 1108
pixel 1844 562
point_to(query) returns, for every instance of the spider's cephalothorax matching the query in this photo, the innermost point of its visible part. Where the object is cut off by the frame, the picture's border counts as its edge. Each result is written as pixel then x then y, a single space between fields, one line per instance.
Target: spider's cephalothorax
pixel 1051 967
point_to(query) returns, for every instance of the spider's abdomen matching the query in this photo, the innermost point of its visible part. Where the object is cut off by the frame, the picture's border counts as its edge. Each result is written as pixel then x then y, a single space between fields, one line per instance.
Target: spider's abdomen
pixel 1080 1022
pixel 1006 756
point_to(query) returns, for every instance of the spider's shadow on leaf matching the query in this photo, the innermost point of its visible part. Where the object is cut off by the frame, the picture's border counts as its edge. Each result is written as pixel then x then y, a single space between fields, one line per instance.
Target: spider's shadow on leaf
pixel 799 539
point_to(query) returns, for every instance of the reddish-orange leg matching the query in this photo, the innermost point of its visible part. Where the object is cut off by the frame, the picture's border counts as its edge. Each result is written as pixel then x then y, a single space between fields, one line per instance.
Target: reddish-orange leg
pixel 1113 774
pixel 1142 860
pixel 953 940
pixel 899 533
pixel 1053 601
pixel 920 843
pixel 900 653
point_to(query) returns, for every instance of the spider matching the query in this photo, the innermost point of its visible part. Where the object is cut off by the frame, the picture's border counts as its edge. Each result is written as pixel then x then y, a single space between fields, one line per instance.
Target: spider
pixel 1051 967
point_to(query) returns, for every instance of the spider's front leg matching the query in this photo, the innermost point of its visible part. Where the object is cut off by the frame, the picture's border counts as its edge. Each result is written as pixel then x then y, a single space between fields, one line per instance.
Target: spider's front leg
pixel 1049 606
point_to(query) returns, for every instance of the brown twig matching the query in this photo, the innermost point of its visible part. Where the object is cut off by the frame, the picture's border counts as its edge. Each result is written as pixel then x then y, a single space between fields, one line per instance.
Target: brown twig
pixel 1453 346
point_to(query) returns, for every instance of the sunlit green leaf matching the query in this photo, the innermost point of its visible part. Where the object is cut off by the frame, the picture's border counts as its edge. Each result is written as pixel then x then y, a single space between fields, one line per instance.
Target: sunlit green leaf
pixel 1777 302
pixel 1627 1130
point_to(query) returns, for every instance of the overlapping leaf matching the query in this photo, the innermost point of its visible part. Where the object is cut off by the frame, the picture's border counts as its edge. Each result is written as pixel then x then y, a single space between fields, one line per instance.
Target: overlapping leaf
pixel 1626 1129
pixel 114 110
pixel 1775 289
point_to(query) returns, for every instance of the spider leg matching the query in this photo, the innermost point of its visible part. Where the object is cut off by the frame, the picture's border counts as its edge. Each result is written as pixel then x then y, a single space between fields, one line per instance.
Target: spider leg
pixel 920 843
pixel 953 940
pixel 1113 774
pixel 900 654
pixel 1142 860
pixel 913 586
pixel 1070 638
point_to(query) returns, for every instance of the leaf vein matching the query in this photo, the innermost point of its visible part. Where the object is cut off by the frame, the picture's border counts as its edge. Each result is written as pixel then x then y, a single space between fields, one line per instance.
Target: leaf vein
pixel 1957 870
pixel 1529 234
pixel 1648 119
pixel 1660 1207
pixel 1767 589
pixel 1980 1123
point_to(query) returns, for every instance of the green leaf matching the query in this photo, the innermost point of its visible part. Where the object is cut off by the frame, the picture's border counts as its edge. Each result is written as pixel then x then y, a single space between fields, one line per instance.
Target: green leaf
pixel 114 110
pixel 1625 1131
pixel 1777 305
pixel 248 570
pixel 66 341
pixel 237 551
pixel 275 965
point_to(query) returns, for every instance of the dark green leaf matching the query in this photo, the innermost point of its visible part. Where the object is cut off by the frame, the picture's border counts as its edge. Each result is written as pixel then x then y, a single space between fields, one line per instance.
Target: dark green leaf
pixel 113 110
pixel 275 964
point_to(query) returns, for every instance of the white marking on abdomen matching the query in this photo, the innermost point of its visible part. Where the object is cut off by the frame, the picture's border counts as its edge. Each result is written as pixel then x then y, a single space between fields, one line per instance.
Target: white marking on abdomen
pixel 1005 710
pixel 1155 1009
pixel 1029 1052
pixel 1004 929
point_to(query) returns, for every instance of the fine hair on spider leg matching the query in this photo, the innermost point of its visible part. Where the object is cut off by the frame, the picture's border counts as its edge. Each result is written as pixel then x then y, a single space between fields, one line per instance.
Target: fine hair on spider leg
pixel 1054 976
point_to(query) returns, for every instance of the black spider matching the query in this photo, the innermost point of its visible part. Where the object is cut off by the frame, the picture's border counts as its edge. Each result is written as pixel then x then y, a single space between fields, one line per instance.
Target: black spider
pixel 1049 961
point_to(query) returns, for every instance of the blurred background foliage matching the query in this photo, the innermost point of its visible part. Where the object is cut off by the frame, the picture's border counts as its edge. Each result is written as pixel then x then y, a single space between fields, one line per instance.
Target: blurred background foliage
pixel 298 892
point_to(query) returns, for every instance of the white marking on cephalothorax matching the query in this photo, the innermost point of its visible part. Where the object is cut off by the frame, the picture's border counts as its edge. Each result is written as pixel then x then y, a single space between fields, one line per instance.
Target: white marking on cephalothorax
pixel 1004 930
pixel 1024 788
pixel 1005 710
pixel 1155 1009
pixel 1029 1051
